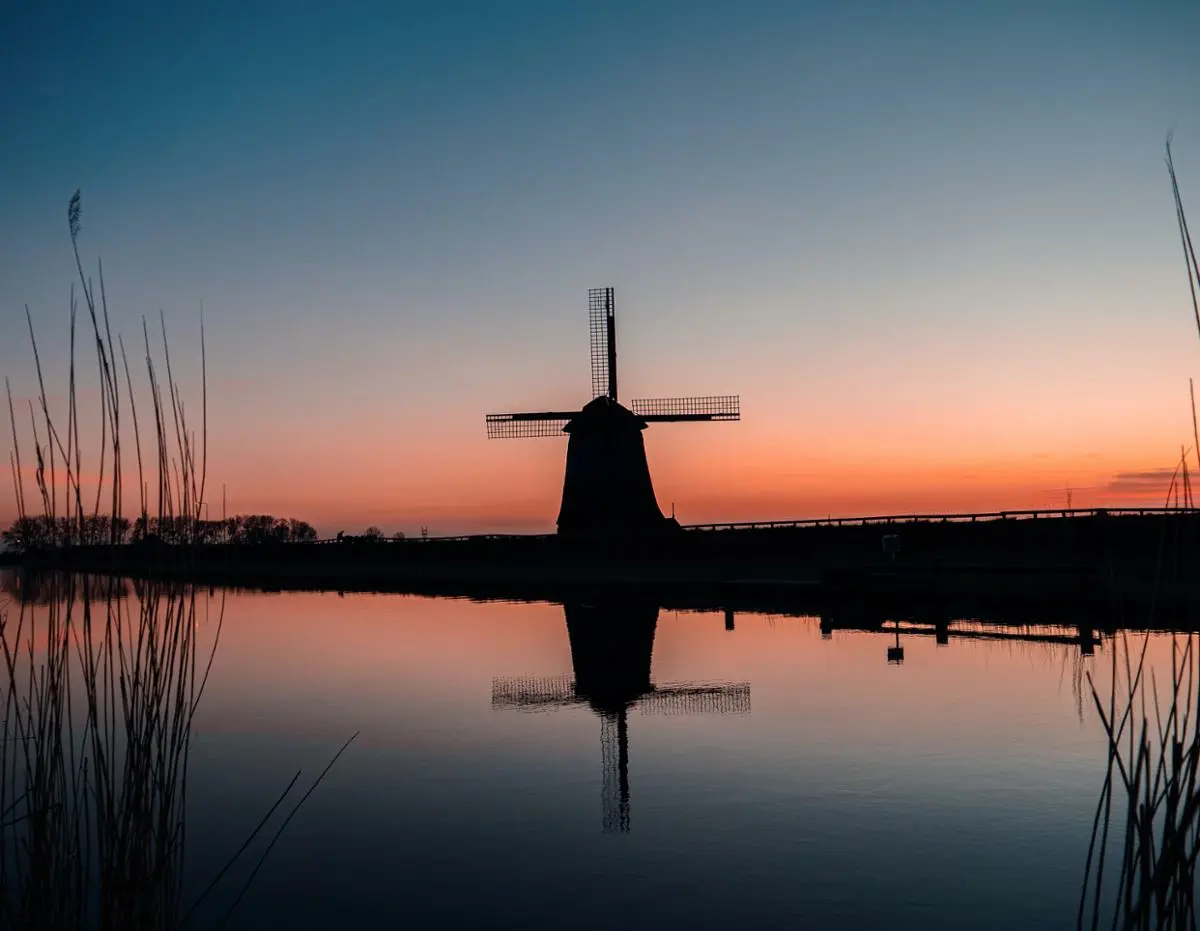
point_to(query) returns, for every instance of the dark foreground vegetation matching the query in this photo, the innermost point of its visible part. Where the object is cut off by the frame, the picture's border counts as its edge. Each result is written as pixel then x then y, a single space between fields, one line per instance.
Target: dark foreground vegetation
pixel 40 532
pixel 100 684
pixel 1140 870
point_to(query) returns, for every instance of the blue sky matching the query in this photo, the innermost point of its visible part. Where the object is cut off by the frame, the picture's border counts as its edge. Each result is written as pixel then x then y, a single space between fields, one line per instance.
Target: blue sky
pixel 892 216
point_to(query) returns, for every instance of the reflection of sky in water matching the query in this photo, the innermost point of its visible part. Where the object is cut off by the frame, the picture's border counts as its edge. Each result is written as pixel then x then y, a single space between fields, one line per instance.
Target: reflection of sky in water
pixel 955 790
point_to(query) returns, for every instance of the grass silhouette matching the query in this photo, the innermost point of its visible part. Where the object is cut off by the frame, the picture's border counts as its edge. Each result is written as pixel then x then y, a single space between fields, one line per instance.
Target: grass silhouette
pixel 1149 805
pixel 103 686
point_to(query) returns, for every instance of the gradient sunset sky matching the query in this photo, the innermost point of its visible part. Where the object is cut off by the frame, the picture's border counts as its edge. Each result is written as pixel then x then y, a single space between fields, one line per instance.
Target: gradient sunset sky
pixel 931 244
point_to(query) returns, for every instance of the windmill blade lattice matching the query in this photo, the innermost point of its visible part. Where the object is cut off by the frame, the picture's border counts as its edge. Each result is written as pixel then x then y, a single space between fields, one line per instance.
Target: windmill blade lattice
pixel 711 407
pixel 517 426
pixel 614 774
pixel 602 338
pixel 534 693
pixel 543 693
pixel 689 698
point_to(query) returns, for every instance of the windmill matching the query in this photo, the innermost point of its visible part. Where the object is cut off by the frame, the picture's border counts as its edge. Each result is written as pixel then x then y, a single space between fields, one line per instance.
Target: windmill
pixel 606 485
pixel 611 651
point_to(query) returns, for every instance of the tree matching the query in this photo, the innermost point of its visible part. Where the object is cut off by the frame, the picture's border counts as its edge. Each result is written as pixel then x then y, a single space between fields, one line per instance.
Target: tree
pixel 372 533
pixel 301 531
pixel 27 533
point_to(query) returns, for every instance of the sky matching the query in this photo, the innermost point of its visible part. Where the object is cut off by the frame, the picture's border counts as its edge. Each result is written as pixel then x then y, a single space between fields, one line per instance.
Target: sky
pixel 932 245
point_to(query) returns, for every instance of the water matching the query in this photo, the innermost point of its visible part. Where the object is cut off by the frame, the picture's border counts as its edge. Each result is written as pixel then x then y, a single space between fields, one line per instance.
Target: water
pixel 953 790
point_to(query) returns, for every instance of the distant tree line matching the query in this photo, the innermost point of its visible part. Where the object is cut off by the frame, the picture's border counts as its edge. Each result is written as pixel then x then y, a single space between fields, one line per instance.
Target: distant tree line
pixel 42 533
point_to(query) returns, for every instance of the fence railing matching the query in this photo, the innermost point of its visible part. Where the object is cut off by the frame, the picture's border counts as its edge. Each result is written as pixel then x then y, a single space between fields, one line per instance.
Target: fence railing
pixel 349 539
pixel 1033 514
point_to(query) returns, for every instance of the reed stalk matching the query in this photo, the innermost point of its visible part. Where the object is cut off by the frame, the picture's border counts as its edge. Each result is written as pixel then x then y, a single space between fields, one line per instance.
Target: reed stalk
pixel 101 688
pixel 1147 818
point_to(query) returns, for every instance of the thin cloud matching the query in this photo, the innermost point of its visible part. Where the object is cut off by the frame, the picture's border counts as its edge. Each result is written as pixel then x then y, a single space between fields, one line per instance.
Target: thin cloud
pixel 1142 482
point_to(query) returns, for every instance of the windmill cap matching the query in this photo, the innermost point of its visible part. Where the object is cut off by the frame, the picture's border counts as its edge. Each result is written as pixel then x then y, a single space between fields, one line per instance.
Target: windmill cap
pixel 603 413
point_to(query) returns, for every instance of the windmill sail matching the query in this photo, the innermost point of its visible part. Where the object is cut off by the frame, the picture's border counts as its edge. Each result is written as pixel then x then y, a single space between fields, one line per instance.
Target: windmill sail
pixel 712 407
pixel 544 693
pixel 680 698
pixel 602 337
pixel 614 773
pixel 512 426
pixel 534 693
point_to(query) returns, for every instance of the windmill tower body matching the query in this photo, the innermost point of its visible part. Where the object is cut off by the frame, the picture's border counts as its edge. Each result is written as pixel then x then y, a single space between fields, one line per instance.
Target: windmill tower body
pixel 607 490
pixel 607 487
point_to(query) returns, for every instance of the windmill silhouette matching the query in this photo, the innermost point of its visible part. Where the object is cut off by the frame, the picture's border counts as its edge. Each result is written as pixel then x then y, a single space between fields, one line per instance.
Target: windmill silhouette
pixel 611 650
pixel 607 486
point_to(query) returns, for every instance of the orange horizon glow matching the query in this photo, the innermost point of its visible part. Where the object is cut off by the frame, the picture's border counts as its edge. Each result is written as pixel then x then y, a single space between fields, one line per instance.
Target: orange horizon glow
pixel 698 493
pixel 935 438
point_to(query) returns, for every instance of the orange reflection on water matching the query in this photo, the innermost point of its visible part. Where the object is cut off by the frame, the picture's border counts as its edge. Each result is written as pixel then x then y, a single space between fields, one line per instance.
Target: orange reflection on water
pixel 416 672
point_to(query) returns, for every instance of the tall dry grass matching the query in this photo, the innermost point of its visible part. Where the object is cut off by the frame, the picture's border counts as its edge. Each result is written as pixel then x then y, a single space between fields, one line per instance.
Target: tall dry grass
pixel 1141 863
pixel 101 688
pixel 1140 870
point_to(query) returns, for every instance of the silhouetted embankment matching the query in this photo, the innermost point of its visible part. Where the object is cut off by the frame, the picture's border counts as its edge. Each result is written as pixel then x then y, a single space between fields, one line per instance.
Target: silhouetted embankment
pixel 1086 562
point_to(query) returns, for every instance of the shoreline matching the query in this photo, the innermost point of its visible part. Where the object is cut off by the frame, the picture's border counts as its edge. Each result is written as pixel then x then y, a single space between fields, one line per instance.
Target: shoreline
pixel 1096 565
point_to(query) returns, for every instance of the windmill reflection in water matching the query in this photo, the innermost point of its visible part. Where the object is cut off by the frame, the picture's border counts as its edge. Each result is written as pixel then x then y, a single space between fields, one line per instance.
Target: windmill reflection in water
pixel 611 650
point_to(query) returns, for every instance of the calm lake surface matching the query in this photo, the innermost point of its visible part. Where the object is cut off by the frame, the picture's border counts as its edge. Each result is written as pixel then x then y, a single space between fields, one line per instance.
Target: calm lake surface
pixel 781 779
